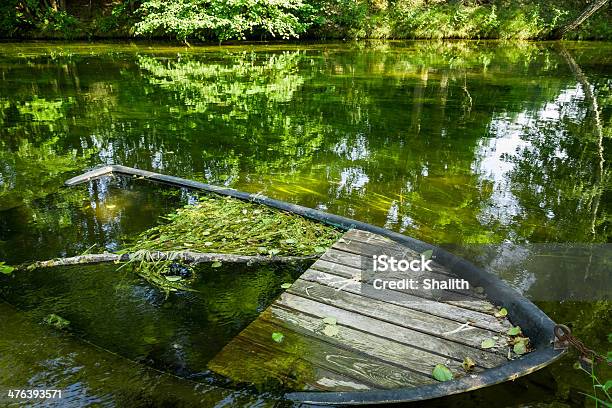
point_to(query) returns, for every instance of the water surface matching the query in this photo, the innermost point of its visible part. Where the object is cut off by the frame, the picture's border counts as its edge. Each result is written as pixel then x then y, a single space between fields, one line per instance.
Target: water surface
pixel 453 143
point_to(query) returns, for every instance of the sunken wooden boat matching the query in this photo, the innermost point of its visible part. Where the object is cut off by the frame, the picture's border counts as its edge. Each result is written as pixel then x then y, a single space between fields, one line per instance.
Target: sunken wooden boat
pixel 384 344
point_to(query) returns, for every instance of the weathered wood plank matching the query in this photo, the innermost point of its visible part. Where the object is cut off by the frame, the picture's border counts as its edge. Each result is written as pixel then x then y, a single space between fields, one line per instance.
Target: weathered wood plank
pixel 413 359
pixel 408 337
pixel 389 312
pixel 244 361
pixel 321 352
pixel 459 298
pixel 303 360
pixel 438 272
pixel 328 273
pixel 396 250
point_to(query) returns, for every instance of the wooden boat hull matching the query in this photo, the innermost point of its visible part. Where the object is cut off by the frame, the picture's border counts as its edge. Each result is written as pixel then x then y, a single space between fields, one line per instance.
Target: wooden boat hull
pixel 534 323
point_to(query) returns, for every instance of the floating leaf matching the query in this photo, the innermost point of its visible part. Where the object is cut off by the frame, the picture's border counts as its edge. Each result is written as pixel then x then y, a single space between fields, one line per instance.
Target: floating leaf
pixel 487 343
pixel 6 269
pixel 330 320
pixel 278 337
pixel 173 278
pixel 427 254
pixel 442 373
pixel 514 331
pixel 468 364
pixel 331 330
pixel 216 264
pixel 501 312
pixel 286 285
pixel 520 348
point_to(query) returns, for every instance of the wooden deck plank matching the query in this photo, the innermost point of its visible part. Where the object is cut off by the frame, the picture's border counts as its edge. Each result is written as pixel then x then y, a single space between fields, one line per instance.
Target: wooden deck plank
pixel 381 339
pixel 246 362
pixel 324 273
pixel 391 313
pixel 458 298
pixel 415 361
pixel 301 358
pixel 352 244
pixel 408 337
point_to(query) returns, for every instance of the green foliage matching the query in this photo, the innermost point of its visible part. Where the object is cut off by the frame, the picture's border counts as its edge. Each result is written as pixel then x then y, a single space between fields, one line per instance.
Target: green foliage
pixel 56 321
pixel 120 20
pixel 221 19
pixel 600 391
pixel 18 16
pixel 6 269
pixel 278 337
pixel 227 225
pixel 283 19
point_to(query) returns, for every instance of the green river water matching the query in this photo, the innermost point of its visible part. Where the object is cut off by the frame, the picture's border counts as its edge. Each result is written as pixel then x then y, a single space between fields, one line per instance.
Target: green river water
pixel 462 144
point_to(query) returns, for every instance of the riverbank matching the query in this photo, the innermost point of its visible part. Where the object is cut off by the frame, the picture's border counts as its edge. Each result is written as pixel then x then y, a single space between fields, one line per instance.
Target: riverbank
pixel 191 20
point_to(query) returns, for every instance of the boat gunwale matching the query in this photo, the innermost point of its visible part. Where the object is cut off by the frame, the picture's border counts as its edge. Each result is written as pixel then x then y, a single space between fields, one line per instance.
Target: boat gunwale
pixel 533 321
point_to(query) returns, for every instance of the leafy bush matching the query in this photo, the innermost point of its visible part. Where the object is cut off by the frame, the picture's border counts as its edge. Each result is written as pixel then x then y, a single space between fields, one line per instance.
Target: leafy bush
pixel 8 18
pixel 23 15
pixel 222 19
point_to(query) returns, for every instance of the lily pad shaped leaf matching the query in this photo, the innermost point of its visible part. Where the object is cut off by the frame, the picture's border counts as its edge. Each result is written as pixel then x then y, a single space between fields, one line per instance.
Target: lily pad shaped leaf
pixel 278 337
pixel 285 285
pixel 216 264
pixel 514 331
pixel 330 320
pixel 331 330
pixel 487 343
pixel 520 348
pixel 442 373
pixel 502 312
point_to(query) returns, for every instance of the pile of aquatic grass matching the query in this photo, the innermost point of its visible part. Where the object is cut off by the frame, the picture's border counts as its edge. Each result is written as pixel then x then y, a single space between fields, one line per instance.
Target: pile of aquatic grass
pixel 167 275
pixel 227 225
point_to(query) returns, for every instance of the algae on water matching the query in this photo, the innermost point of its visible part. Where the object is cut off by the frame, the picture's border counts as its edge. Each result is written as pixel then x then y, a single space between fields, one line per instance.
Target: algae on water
pixel 227 225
